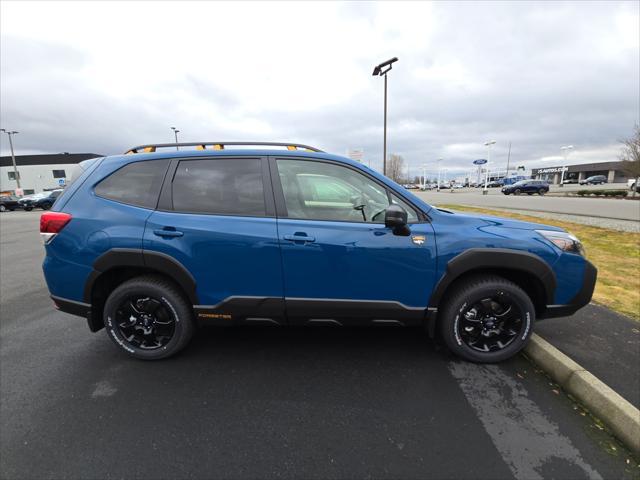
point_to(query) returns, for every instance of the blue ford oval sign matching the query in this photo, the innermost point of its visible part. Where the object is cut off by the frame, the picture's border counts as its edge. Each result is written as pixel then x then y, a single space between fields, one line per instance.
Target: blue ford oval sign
pixel 480 161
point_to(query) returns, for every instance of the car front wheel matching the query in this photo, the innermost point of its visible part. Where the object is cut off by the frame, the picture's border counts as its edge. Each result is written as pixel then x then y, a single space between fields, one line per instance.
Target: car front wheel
pixel 28 209
pixel 487 319
pixel 542 191
pixel 3 208
pixel 148 318
pixel 517 191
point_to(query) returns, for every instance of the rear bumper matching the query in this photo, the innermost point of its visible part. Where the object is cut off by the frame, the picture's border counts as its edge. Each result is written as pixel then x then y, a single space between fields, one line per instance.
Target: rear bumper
pixel 582 298
pixel 74 307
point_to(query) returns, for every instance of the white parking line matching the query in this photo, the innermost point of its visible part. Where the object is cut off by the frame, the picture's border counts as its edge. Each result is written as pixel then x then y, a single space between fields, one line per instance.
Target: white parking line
pixel 524 436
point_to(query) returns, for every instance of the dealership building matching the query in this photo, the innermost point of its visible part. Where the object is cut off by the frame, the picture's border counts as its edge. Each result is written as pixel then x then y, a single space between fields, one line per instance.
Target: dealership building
pixel 575 173
pixel 39 172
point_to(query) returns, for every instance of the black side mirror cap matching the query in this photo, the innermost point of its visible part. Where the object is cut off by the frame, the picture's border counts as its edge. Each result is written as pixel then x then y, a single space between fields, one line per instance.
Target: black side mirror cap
pixel 395 218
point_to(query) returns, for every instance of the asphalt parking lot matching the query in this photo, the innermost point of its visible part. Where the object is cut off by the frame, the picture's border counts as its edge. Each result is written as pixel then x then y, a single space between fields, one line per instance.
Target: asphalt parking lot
pixel 269 403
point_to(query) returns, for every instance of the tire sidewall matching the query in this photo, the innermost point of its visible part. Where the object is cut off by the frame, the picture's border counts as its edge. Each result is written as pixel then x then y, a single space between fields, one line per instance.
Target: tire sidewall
pixel 458 346
pixel 167 299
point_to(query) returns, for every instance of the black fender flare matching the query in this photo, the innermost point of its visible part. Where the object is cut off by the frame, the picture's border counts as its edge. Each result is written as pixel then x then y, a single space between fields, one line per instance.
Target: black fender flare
pixel 132 257
pixel 495 258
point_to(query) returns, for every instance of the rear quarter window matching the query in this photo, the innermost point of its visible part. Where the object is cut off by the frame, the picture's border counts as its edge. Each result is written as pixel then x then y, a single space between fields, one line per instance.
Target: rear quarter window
pixel 136 184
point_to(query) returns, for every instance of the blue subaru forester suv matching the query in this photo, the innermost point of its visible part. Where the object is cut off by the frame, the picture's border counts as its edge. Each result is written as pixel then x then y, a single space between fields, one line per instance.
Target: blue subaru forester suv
pixel 155 242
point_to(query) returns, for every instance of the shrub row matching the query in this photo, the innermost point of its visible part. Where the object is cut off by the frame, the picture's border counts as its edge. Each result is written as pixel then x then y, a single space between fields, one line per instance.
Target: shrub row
pixel 603 193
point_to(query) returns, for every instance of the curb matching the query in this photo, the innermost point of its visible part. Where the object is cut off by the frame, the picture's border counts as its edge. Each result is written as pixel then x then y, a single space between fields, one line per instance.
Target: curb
pixel 622 418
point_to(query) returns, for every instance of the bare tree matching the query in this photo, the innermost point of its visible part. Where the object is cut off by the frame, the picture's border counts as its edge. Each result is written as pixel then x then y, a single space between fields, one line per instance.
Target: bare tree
pixel 630 155
pixel 395 167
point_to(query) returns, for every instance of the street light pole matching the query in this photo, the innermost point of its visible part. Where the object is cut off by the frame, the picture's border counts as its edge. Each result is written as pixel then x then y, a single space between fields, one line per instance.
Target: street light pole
pixel 438 186
pixel 565 151
pixel 175 132
pixel 488 144
pixel 382 70
pixel 13 156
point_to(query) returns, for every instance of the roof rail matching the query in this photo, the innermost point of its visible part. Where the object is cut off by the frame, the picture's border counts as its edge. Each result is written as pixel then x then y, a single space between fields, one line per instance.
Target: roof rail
pixel 218 146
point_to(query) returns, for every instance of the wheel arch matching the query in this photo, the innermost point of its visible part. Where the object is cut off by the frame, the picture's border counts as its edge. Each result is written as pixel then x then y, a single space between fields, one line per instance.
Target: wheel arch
pixel 525 269
pixel 121 264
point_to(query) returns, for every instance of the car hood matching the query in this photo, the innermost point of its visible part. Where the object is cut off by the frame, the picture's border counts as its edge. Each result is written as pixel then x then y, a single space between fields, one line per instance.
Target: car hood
pixel 490 220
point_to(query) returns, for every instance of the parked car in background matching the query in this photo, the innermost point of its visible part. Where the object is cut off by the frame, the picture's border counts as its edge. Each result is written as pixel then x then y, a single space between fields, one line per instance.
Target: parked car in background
pixel 527 186
pixel 9 203
pixel 42 200
pixel 594 180
pixel 569 181
pixel 495 183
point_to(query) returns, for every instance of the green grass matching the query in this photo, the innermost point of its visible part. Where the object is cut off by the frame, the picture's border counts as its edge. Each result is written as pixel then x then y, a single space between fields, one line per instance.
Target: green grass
pixel 615 254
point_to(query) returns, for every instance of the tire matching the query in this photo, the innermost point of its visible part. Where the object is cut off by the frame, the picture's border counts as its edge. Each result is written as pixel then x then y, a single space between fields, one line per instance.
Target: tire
pixel 541 192
pixel 45 206
pixel 171 313
pixel 3 208
pixel 28 209
pixel 454 321
pixel 517 191
pixel 529 193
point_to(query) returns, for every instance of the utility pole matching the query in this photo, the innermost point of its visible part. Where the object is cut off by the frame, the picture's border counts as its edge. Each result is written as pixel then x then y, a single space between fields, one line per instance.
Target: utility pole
pixel 382 70
pixel 13 156
pixel 508 159
pixel 488 144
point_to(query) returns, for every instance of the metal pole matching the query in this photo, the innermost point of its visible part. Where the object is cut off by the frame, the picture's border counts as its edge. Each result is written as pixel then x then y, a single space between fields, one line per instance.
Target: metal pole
pixel 13 159
pixel 176 134
pixel 384 149
pixel 508 159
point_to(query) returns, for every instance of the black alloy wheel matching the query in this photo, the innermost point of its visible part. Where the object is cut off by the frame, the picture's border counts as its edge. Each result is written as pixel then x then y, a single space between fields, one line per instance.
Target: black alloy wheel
pixel 486 318
pixel 491 323
pixel 517 191
pixel 145 323
pixel 149 317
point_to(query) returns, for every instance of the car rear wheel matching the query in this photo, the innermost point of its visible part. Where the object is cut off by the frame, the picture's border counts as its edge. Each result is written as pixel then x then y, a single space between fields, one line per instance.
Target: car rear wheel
pixel 542 191
pixel 517 191
pixel 28 209
pixel 487 319
pixel 45 206
pixel 148 318
pixel 3 208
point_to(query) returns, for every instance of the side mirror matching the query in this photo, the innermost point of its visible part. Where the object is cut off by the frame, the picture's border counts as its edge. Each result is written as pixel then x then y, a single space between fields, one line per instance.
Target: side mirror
pixel 395 218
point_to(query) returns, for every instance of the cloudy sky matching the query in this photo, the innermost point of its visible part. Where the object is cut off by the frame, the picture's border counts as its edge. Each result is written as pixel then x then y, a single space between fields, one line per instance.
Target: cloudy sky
pixel 101 77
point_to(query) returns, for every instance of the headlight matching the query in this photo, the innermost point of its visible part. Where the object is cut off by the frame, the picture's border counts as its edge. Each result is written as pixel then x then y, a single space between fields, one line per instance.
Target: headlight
pixel 564 241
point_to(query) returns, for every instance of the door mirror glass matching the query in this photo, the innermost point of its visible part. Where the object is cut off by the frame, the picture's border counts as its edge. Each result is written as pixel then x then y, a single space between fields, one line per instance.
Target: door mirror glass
pixel 395 218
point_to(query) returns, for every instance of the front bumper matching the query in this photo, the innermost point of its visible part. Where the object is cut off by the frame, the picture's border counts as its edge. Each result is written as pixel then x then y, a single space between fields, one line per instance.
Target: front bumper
pixel 582 298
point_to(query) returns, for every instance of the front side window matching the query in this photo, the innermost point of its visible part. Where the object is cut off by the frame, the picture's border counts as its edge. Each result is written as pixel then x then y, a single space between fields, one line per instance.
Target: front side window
pixel 325 191
pixel 135 184
pixel 230 186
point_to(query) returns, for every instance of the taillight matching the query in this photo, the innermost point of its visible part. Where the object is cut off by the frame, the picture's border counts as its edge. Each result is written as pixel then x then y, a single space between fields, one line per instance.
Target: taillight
pixel 51 223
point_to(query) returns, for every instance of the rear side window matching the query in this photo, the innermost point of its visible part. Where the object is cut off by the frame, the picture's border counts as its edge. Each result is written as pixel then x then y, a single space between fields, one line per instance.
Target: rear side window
pixel 219 186
pixel 136 184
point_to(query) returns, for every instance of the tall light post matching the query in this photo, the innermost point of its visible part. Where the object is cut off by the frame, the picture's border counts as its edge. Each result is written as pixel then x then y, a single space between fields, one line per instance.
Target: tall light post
pixel 438 186
pixel 13 156
pixel 175 132
pixel 382 70
pixel 424 176
pixel 566 150
pixel 488 144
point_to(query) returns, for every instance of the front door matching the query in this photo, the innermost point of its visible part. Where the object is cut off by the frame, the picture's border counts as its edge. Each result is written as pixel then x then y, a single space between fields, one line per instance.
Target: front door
pixel 216 217
pixel 341 265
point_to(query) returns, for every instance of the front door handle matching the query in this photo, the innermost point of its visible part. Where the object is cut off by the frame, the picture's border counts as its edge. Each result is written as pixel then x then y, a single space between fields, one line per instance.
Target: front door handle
pixel 299 238
pixel 168 233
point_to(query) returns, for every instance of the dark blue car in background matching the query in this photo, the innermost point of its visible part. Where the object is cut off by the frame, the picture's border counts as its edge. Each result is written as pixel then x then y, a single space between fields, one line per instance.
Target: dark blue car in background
pixel 156 242
pixel 527 186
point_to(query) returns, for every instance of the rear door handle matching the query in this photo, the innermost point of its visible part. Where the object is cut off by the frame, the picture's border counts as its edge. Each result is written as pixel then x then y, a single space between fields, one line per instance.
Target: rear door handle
pixel 299 238
pixel 168 233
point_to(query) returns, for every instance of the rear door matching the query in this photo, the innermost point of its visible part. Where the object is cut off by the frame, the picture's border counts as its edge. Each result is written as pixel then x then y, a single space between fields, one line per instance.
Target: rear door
pixel 216 216
pixel 341 265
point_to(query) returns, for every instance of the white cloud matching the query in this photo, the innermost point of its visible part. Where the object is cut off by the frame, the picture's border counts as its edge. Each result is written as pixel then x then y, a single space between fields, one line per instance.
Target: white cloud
pixel 102 76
